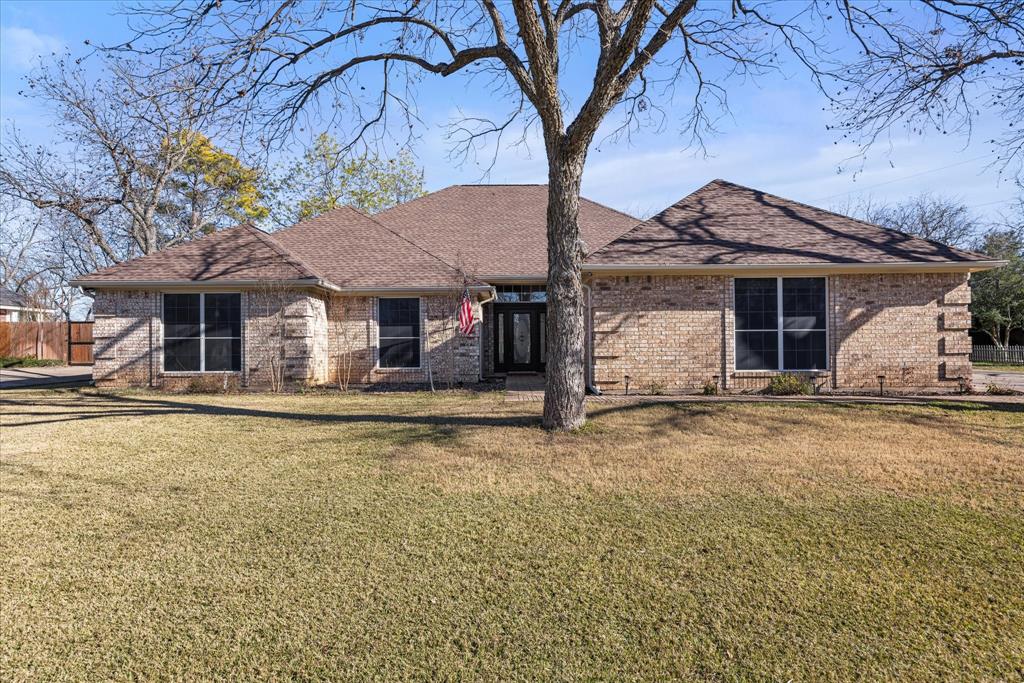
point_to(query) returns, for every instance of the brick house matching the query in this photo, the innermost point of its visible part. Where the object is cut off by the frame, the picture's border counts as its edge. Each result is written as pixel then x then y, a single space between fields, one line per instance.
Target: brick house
pixel 730 285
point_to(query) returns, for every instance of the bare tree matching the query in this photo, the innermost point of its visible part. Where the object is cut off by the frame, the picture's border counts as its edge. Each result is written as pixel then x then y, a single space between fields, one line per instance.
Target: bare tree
pixel 934 66
pixel 30 259
pixel 444 312
pixel 940 219
pixel 286 60
pixel 120 177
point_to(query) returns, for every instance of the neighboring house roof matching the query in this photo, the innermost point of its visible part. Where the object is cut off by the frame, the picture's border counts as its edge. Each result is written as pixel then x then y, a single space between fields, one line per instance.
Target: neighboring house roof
pixel 727 224
pixel 354 251
pixel 492 231
pixel 11 300
pixel 239 254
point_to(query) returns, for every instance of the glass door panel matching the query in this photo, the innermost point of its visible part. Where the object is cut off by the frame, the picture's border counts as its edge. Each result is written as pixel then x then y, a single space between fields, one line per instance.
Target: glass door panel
pixel 521 338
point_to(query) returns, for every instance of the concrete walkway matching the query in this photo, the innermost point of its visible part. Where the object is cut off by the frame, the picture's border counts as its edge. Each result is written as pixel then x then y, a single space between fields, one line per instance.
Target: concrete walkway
pixel 1011 380
pixel 21 378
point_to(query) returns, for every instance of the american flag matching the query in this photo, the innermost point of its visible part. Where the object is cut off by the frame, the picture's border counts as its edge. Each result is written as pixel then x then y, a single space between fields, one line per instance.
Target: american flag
pixel 466 321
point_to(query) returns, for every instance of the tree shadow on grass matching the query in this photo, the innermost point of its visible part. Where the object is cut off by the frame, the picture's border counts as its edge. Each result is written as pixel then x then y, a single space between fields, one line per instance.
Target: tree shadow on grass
pixel 24 412
pixel 106 406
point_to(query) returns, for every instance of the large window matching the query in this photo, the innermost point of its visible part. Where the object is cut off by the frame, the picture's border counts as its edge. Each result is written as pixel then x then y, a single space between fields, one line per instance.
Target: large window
pixel 781 324
pixel 399 321
pixel 202 332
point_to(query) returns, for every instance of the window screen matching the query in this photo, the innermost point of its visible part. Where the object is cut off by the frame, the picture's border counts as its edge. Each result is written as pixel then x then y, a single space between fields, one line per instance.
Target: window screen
pixel 757 320
pixel 399 321
pixel 202 332
pixel 800 327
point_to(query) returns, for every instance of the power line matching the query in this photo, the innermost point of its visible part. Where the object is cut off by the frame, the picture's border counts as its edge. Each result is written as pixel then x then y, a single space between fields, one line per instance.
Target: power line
pixel 897 180
pixel 998 201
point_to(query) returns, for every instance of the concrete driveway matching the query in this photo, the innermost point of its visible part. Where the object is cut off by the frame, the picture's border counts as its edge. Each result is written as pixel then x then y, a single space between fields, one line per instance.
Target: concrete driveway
pixel 20 378
pixel 1013 380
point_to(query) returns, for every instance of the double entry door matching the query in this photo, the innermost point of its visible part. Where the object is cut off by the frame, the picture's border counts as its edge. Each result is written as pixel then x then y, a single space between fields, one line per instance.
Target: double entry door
pixel 519 337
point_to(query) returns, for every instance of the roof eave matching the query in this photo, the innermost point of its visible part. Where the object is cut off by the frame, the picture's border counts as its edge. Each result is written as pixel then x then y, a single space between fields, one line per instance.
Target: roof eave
pixel 86 283
pixel 795 268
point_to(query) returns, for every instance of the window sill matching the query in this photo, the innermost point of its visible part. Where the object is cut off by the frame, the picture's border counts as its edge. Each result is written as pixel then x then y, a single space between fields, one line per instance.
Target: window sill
pixel 190 373
pixel 776 373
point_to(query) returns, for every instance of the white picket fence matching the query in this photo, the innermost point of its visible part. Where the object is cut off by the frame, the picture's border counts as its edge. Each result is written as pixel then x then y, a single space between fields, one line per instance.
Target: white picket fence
pixel 1009 355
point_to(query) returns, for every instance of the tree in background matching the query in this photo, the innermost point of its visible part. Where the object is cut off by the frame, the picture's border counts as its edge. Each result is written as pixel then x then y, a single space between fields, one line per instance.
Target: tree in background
pixel 932 217
pixel 127 172
pixel 997 296
pixel 328 175
pixel 212 189
pixel 28 264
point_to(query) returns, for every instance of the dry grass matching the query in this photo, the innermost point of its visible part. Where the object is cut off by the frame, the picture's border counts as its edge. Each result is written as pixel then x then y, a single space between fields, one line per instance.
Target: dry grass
pixel 417 536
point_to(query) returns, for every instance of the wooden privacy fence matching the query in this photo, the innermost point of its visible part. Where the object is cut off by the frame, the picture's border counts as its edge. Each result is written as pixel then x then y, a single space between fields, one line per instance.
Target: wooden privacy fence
pixel 1009 355
pixel 69 342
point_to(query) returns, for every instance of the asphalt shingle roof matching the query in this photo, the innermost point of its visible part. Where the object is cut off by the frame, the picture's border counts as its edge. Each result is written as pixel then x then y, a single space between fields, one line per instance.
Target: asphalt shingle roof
pixel 10 298
pixel 353 250
pixel 494 230
pixel 500 230
pixel 242 253
pixel 725 223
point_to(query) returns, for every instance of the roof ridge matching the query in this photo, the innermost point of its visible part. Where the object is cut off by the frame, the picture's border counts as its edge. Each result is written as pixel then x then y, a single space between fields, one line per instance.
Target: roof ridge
pixel 295 261
pixel 842 215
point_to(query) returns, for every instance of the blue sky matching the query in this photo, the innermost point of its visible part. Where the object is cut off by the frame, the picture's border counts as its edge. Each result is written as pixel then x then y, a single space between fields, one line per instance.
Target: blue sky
pixel 774 138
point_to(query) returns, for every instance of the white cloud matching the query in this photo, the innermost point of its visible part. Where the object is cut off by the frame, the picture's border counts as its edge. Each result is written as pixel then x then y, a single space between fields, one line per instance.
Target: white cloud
pixel 21 47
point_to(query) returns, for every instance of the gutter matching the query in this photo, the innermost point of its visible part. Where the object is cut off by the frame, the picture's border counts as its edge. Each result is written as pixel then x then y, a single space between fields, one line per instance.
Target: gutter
pixel 86 283
pixel 206 285
pixel 809 268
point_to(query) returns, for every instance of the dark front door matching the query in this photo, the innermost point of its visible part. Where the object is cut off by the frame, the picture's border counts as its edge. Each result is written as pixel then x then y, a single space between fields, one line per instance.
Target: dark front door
pixel 519 343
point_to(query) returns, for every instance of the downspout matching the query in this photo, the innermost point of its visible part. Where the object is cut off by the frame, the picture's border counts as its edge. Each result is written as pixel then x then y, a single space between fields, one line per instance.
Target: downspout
pixel 156 299
pixel 588 346
pixel 491 296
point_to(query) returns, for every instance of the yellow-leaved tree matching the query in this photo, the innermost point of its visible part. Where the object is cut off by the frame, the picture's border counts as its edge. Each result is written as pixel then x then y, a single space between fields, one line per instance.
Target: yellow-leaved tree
pixel 212 188
pixel 327 176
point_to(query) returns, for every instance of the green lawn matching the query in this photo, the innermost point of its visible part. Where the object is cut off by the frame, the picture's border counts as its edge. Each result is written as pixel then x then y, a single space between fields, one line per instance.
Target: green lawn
pixel 997 367
pixel 412 536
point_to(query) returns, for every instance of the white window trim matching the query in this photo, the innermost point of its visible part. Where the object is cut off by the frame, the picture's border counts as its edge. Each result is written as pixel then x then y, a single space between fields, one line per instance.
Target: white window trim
pixel 202 337
pixel 779 329
pixel 419 313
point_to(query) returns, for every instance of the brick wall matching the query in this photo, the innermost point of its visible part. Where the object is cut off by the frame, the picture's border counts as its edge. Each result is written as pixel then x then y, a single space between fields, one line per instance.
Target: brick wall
pixel 284 332
pixel 353 335
pixel 664 332
pixel 125 324
pixel 285 329
pixel 912 328
pixel 674 333
pixel 297 335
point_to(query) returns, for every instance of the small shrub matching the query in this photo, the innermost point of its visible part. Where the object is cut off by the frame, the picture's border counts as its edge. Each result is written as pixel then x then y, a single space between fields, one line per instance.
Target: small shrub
pixel 789 385
pixel 999 390
pixel 212 384
pixel 710 388
pixel 656 388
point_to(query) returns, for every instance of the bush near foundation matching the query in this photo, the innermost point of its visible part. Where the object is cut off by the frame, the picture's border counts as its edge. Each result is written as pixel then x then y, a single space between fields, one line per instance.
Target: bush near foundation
pixel 789 385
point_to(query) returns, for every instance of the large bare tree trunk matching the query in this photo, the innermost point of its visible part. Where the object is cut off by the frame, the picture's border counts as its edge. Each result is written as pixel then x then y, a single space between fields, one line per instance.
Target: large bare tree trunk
pixel 563 399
